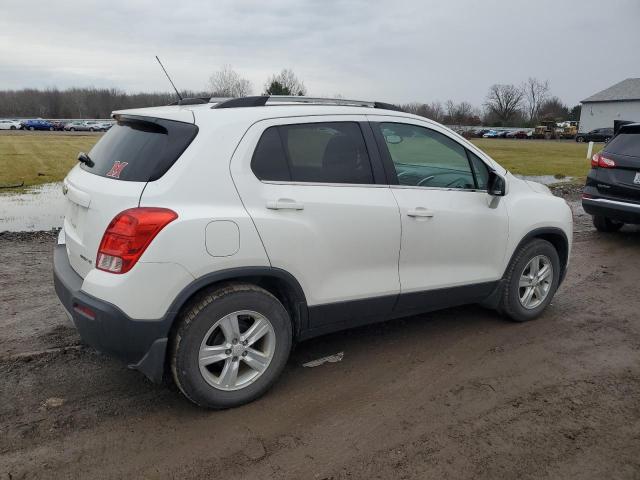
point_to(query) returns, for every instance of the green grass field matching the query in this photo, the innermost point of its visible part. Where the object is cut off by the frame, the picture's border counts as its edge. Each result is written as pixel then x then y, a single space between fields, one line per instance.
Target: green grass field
pixel 540 157
pixel 40 158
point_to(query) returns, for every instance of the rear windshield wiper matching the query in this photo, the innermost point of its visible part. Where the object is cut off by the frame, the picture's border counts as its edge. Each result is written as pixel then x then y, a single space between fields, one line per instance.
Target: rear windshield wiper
pixel 84 158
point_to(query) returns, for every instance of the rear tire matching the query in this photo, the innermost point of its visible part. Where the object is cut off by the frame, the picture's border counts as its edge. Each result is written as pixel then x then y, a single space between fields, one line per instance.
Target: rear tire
pixel 513 302
pixel 604 224
pixel 204 332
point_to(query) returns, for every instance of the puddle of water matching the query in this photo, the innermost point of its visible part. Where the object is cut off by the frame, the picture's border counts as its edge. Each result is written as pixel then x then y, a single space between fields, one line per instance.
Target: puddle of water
pixel 34 209
pixel 544 179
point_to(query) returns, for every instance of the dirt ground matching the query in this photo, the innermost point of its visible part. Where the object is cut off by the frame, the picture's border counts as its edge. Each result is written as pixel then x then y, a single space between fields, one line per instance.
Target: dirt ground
pixel 460 393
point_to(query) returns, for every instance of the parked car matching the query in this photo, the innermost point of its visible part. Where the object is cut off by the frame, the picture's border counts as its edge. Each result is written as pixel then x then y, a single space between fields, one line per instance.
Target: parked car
pixel 491 134
pixel 79 126
pixel 612 191
pixel 503 133
pixel 93 126
pixel 104 126
pixel 10 125
pixel 58 125
pixel 480 132
pixel 597 135
pixel 197 239
pixel 37 124
pixel 517 134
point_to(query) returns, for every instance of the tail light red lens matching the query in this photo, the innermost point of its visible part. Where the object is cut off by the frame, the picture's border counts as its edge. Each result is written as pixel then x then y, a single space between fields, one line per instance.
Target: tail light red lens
pixel 128 235
pixel 599 160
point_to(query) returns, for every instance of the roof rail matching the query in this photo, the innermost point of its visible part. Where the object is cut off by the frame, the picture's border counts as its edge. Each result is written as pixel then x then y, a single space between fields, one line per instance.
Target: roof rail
pixel 262 100
pixel 191 101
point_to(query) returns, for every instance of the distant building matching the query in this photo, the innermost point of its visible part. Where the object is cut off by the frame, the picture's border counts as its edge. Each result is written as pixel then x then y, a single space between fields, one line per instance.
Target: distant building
pixel 618 102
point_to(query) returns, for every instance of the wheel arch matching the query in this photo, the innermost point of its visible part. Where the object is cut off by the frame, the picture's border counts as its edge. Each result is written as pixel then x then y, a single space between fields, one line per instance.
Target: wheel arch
pixel 280 283
pixel 557 237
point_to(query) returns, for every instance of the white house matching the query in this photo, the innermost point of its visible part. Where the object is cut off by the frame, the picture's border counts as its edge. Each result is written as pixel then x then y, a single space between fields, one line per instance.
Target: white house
pixel 618 102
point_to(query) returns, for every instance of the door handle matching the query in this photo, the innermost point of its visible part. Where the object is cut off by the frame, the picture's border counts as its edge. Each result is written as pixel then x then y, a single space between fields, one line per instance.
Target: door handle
pixel 284 204
pixel 421 212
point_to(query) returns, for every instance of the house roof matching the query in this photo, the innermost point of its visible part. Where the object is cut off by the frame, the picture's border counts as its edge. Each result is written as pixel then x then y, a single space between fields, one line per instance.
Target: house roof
pixel 628 89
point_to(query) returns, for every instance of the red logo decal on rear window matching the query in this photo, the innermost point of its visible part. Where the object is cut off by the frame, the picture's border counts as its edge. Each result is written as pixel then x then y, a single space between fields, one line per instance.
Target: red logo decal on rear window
pixel 116 170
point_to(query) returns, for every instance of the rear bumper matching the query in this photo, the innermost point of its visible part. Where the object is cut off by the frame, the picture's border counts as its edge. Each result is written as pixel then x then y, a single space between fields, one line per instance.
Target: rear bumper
pixel 621 211
pixel 140 343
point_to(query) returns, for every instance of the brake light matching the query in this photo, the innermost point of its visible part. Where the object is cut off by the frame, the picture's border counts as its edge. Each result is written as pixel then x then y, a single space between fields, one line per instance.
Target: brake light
pixel 599 160
pixel 128 235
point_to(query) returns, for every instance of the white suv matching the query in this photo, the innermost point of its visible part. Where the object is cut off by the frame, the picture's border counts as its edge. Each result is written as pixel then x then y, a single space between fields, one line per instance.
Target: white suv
pixel 206 239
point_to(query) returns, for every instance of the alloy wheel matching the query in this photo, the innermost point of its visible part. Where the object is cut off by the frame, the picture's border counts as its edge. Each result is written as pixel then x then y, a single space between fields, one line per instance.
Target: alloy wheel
pixel 535 282
pixel 237 350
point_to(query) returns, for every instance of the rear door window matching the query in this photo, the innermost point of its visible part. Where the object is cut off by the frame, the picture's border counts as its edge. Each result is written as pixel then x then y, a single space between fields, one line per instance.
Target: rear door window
pixel 330 152
pixel 138 149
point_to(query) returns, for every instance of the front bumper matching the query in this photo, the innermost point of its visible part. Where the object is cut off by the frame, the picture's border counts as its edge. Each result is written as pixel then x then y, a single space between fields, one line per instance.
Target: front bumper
pixel 141 344
pixel 621 211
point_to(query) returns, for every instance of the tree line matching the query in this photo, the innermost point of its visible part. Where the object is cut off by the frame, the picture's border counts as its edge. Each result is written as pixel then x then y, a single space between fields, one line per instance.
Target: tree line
pixel 505 104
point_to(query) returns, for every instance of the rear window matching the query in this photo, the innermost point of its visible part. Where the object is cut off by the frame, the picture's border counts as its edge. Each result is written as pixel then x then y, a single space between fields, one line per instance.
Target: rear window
pixel 138 149
pixel 627 143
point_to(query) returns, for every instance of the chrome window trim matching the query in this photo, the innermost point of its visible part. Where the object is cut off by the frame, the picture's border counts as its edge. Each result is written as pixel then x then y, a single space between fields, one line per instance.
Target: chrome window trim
pixel 370 185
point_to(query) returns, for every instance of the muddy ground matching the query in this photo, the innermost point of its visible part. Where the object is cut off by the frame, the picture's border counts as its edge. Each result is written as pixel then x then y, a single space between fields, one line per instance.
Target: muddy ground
pixel 460 393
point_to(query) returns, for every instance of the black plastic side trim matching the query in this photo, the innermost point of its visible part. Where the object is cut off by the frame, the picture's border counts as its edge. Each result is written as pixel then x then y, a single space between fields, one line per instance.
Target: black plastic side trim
pixel 352 312
pixel 343 315
pixel 429 300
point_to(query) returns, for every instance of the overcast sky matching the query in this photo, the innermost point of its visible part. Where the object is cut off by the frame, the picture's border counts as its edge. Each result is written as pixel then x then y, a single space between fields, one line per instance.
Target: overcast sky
pixel 395 51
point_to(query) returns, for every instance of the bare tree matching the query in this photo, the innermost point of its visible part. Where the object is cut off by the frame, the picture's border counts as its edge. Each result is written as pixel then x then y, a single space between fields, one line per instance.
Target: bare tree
pixel 535 93
pixel 462 113
pixel 285 83
pixel 432 111
pixel 228 83
pixel 504 101
pixel 554 109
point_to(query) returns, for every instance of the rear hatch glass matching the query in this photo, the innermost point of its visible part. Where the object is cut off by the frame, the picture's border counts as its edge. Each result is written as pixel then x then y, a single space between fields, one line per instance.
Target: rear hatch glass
pixel 138 149
pixel 627 142
pixel 624 180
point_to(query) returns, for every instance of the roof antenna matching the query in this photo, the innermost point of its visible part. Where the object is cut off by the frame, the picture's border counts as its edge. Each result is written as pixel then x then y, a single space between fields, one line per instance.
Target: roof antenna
pixel 169 78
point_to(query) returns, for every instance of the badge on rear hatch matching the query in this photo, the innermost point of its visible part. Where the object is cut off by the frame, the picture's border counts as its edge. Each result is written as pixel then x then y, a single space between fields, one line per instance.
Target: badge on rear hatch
pixel 636 180
pixel 116 170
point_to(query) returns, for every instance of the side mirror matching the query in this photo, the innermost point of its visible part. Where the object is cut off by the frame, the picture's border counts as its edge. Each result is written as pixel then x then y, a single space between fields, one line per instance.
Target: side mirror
pixel 497 186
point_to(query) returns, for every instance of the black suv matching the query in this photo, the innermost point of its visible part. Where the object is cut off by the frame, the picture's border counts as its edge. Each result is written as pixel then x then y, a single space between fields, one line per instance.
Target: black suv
pixel 596 135
pixel 612 192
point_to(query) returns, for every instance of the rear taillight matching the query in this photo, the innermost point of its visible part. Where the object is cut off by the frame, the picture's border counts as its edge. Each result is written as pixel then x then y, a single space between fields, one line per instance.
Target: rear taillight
pixel 128 235
pixel 599 160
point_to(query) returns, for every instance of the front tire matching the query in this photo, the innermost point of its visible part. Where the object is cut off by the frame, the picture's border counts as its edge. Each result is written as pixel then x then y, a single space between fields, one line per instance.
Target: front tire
pixel 230 346
pixel 531 281
pixel 604 224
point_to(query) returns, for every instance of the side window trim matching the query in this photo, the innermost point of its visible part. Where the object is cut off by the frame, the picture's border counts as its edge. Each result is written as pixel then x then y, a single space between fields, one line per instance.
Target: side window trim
pixel 375 156
pixel 385 155
pixel 473 170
